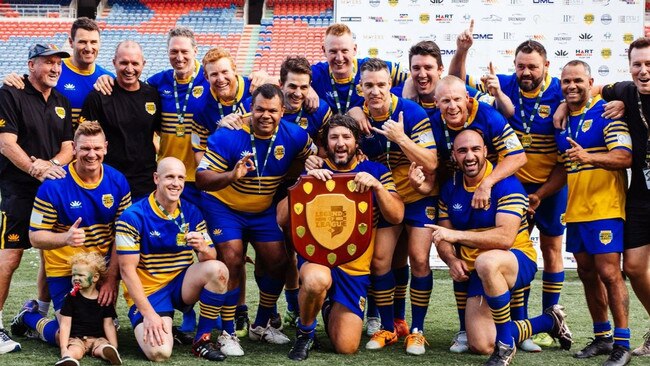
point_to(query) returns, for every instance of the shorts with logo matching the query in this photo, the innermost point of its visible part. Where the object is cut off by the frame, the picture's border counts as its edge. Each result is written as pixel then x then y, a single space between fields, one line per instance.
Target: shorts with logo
pixel 595 237
pixel 163 301
pixel 15 211
pixel 525 275
pixel 349 291
pixel 417 214
pixel 637 225
pixel 226 224
pixel 59 287
pixel 88 344
pixel 548 216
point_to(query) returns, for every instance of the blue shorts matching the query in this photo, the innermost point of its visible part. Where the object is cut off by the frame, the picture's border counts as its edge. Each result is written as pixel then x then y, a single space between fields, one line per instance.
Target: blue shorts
pixel 59 287
pixel 192 194
pixel 347 290
pixel 548 216
pixel 595 237
pixel 225 224
pixel 163 301
pixel 418 213
pixel 525 275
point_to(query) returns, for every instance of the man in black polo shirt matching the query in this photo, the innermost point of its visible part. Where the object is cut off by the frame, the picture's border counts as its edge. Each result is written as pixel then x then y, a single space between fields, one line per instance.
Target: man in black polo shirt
pixel 35 139
pixel 129 116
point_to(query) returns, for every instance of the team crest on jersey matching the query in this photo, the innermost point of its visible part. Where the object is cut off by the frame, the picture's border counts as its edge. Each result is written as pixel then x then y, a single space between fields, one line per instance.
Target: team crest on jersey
pixel 278 152
pixel 430 212
pixel 544 111
pixel 359 91
pixel 303 123
pixel 197 91
pixel 2 122
pixel 562 220
pixel 60 111
pixel 587 125
pixel 605 236
pixel 108 200
pixel 150 107
pixel 362 303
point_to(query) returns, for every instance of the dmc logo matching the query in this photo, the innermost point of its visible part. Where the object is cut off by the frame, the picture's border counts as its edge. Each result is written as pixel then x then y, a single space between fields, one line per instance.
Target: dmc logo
pixel 444 18
pixel 605 19
pixel 447 52
pixel 561 53
pixel 374 3
pixel 603 70
pixel 13 237
pixel 606 53
pixel 628 38
pixel 492 18
pixel 568 19
pixel 517 18
pixel 586 53
pixel 589 18
pixel 585 37
pixel 482 36
pixel 562 38
pixel 543 2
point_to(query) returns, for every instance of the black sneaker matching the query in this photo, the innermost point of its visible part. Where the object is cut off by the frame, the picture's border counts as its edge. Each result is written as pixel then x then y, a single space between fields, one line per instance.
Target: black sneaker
pixel 67 361
pixel 620 356
pixel 301 347
pixel 182 338
pixel 205 349
pixel 242 323
pixel 598 346
pixel 276 321
pixel 560 329
pixel 18 327
pixel 502 355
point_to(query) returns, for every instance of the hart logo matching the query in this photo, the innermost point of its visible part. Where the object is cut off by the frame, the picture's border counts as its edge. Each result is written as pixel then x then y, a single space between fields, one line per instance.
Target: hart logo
pixel 69 86
pixel 606 53
pixel 75 204
pixel 13 237
pixel 561 53
pixel 444 18
pixel 589 18
pixel 586 53
pixel 586 37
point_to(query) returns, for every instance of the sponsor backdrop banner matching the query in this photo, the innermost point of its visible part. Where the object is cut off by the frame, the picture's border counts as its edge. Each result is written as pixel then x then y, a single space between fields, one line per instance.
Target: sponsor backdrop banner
pixel 596 31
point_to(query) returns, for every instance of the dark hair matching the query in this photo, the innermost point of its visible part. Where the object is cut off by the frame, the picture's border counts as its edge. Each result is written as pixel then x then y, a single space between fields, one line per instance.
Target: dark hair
pixel 374 64
pixel 642 42
pixel 340 120
pixel 579 62
pixel 531 46
pixel 296 65
pixel 426 48
pixel 83 23
pixel 268 91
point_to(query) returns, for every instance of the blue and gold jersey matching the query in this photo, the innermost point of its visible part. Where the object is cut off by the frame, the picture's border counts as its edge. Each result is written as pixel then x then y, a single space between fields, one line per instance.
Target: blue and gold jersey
pixel 538 137
pixel 361 265
pixel 253 193
pixel 508 197
pixel 378 148
pixel 60 202
pixel 310 122
pixel 594 193
pixel 212 109
pixel 322 80
pixel 146 231
pixel 176 139
pixel 75 85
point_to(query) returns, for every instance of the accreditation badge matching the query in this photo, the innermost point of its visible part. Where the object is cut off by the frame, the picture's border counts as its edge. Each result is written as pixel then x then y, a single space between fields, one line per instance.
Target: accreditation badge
pixel 180 239
pixel 527 140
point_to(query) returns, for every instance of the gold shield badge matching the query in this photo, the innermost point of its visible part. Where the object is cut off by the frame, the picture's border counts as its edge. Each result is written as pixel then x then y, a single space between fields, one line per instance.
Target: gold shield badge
pixel 424 18
pixel 544 111
pixel 587 125
pixel 330 224
pixel 278 152
pixel 605 236
pixel 150 107
pixel 60 111
pixel 108 200
pixel 197 91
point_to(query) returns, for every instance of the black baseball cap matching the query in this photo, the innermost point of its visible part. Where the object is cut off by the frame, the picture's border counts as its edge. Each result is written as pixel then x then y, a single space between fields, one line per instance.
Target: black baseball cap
pixel 39 49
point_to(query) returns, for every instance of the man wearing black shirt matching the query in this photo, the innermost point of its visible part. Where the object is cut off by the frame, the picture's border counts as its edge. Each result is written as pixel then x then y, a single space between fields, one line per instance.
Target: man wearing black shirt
pixel 129 116
pixel 636 97
pixel 35 139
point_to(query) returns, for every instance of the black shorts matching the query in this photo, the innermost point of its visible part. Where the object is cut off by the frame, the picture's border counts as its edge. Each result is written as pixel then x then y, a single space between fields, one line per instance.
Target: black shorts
pixel 637 225
pixel 16 211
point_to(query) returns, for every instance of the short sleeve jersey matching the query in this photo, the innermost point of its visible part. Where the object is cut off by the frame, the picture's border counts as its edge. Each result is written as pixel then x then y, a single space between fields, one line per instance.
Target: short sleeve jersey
pixel 507 197
pixel 594 193
pixel 129 120
pixel 60 202
pixel 40 125
pixel 144 230
pixel 176 139
pixel 253 193
pixel 87 316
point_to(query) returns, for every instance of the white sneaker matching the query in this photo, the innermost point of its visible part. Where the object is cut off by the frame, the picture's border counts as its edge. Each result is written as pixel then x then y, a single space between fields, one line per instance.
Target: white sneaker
pixel 7 344
pixel 230 344
pixel 373 325
pixel 268 335
pixel 459 344
pixel 415 342
pixel 529 346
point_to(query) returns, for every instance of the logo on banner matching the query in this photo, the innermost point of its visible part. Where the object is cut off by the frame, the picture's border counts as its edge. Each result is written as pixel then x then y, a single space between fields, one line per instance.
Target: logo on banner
pixel 492 18
pixel 395 54
pixel 460 2
pixel 483 36
pixel 517 18
pixel 628 38
pixel 374 3
pixel 424 18
pixel 401 38
pixel 490 2
pixel 507 36
pixel 603 70
pixel 404 18
pixel 629 19
pixel 561 54
pixel 393 2
pixel 506 53
pixel 351 19
pixel 586 37
pixel 562 38
pixel 377 19
pixel 444 18
pixel 543 2
pixel 438 2
pixel 606 53
pixel 572 2
pixel 516 2
pixel 584 53
pixel 605 19
pixel 568 19
pixel 589 18
pixel 373 52
pixel 447 52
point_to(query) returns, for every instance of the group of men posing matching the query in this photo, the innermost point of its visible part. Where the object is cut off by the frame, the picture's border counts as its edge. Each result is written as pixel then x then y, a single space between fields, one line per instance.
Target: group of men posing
pixel 469 167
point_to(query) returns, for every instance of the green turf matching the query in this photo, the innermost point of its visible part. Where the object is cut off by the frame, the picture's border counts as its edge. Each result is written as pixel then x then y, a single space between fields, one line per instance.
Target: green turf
pixel 441 326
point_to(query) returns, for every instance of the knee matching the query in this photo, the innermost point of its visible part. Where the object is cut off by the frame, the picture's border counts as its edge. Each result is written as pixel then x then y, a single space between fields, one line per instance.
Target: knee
pixel 587 274
pixel 10 263
pixel 609 274
pixel 635 268
pixel 481 348
pixel 315 283
pixel 346 349
pixel 485 267
pixel 218 271
pixel 420 266
pixel 159 354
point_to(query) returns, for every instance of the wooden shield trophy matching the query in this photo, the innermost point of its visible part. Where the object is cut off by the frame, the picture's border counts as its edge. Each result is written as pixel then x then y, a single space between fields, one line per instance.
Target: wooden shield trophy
pixel 331 224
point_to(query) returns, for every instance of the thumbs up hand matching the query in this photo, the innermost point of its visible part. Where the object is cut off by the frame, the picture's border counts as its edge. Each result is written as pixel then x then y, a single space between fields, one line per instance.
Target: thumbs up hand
pixel 76 236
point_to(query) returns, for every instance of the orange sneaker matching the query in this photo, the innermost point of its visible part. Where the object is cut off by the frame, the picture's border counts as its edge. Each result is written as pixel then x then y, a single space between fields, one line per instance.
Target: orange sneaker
pixel 381 339
pixel 415 342
pixel 401 327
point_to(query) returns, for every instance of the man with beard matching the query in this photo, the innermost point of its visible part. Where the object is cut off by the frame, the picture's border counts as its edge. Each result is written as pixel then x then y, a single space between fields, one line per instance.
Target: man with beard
pixel 595 152
pixel 343 288
pixel 489 249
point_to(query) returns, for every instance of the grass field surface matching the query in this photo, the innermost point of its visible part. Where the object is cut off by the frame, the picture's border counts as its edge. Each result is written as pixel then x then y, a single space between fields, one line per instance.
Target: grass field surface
pixel 441 325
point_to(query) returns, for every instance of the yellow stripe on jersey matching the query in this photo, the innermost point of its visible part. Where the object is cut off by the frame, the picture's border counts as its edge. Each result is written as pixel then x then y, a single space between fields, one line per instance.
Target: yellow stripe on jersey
pixel 178 146
pixel 542 156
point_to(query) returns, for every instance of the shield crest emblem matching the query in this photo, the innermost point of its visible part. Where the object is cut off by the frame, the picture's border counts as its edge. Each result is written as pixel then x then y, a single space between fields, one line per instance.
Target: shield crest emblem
pixel 60 111
pixel 197 91
pixel 108 200
pixel 150 107
pixel 330 223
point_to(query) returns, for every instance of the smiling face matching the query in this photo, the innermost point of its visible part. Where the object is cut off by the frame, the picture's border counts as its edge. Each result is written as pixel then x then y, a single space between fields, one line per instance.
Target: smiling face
pixel 44 72
pixel 182 56
pixel 295 90
pixel 341 146
pixel 340 52
pixel 425 73
pixel 89 152
pixel 222 77
pixel 376 91
pixel 129 63
pixel 453 102
pixel 576 86
pixel 85 48
pixel 470 154
pixel 530 69
pixel 640 68
pixel 266 114
pixel 170 181
pixel 84 276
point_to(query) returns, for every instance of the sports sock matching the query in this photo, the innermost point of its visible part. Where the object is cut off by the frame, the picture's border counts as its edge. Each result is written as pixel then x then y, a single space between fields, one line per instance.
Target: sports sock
pixel 524 329
pixel 210 304
pixel 46 328
pixel 43 307
pixel 603 329
pixel 622 337
pixel 500 308
pixel 518 303
pixel 291 295
pixel 307 329
pixel 2 326
pixel 189 321
pixel 228 310
pixel 371 305
pixel 399 298
pixel 460 292
pixel 270 290
pixel 383 290
pixel 420 294
pixel 551 288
